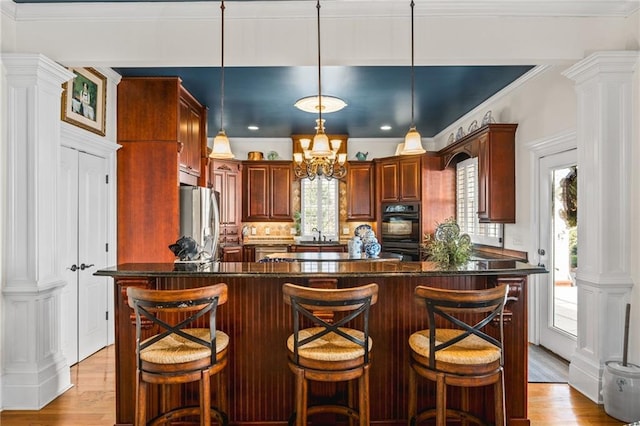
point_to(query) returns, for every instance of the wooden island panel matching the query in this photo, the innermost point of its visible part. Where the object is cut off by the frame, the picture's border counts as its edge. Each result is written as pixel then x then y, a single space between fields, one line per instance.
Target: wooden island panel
pixel 261 387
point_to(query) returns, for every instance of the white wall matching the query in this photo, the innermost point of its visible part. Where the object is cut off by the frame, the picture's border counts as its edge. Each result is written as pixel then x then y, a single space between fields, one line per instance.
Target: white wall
pixel 634 329
pixel 3 197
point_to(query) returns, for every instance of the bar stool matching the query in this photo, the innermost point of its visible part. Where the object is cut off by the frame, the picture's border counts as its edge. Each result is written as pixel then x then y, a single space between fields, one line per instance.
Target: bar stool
pixel 463 356
pixel 328 351
pixel 177 354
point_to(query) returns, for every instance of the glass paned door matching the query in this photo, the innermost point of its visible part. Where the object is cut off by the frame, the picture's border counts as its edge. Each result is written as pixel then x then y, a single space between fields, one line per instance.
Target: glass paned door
pixel 559 251
pixel 565 249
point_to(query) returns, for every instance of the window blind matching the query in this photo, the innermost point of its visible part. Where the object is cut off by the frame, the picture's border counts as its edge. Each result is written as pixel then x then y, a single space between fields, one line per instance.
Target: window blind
pixel 467 206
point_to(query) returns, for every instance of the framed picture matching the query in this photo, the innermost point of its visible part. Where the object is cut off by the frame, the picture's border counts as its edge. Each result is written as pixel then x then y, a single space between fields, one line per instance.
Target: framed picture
pixel 84 100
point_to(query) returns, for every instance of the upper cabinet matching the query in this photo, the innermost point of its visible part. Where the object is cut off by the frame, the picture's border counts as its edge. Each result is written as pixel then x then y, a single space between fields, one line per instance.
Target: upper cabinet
pixel 161 131
pixel 361 191
pixel 400 178
pixel 191 137
pixel 267 195
pixel 494 145
pixel 226 178
pixel 417 178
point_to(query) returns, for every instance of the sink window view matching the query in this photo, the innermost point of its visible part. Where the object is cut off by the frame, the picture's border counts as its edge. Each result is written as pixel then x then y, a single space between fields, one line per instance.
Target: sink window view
pixel 319 202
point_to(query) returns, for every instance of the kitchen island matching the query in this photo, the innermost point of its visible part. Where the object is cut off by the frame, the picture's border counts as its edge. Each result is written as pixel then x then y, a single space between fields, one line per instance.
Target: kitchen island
pixel 258 322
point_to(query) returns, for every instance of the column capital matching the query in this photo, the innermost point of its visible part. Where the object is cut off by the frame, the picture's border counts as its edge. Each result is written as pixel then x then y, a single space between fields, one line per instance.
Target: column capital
pixel 27 69
pixel 599 63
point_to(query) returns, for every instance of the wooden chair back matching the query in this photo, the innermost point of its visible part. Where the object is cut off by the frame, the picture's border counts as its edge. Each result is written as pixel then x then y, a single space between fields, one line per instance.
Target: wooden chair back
pixel 185 307
pixel 452 306
pixel 352 303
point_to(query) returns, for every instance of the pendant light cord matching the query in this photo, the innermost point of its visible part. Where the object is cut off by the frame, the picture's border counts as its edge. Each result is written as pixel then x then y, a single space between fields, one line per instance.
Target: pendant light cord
pixel 319 72
pixel 222 66
pixel 413 78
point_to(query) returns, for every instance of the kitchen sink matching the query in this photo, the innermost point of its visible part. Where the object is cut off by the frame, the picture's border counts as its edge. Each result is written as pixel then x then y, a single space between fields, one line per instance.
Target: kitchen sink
pixel 318 243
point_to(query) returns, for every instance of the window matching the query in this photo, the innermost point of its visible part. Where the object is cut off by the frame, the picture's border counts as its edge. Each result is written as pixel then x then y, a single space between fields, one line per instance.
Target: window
pixel 467 207
pixel 319 202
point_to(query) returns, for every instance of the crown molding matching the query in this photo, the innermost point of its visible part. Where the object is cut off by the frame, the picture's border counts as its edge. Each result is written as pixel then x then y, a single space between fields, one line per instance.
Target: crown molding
pixel 167 11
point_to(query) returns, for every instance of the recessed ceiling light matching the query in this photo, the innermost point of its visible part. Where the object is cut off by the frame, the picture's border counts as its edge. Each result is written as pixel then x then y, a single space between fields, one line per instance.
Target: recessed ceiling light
pixel 385 127
pixel 329 104
pixel 253 127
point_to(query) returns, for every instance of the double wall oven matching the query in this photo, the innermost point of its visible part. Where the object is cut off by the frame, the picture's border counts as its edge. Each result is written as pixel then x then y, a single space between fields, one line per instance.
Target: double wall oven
pixel 401 229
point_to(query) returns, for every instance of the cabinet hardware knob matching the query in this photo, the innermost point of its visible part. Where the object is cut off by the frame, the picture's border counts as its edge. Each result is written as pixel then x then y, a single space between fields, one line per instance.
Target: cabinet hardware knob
pixel 73 268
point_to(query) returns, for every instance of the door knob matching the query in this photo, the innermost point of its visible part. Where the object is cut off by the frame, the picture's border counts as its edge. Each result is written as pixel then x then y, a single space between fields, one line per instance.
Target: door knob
pixel 83 266
pixel 73 268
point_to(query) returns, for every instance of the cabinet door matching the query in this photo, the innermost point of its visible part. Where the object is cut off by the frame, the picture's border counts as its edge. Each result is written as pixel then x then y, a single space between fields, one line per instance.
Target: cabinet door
pixel 280 186
pixel 389 181
pixel 360 191
pixel 232 198
pixel 484 166
pixel 218 181
pixel 189 138
pixel 256 195
pixel 232 254
pixel 248 253
pixel 410 173
pixel 496 178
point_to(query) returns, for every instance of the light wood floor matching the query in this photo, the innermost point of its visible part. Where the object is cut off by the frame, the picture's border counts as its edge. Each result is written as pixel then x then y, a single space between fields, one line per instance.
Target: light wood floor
pixel 91 402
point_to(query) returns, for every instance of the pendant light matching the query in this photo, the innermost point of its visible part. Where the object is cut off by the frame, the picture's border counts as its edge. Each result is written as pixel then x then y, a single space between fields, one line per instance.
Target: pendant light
pixel 412 141
pixel 323 158
pixel 221 147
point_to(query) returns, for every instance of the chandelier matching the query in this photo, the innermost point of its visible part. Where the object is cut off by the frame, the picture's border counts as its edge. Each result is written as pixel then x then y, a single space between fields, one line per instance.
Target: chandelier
pixel 323 158
pixel 221 147
pixel 412 143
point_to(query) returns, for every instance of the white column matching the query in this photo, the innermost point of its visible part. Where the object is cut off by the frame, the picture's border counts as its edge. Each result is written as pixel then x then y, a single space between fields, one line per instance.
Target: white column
pixel 604 85
pixel 34 371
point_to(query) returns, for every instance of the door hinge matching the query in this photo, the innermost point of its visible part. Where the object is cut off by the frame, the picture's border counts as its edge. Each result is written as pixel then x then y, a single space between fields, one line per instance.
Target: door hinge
pixel 106 179
pixel 106 316
pixel 106 247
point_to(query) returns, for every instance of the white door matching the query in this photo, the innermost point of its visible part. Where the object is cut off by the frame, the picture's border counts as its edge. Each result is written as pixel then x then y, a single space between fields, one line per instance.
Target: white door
pixel 558 302
pixel 84 205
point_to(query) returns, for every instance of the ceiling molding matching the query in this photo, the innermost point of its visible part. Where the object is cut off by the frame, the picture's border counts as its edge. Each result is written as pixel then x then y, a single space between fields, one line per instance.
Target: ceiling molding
pixel 208 10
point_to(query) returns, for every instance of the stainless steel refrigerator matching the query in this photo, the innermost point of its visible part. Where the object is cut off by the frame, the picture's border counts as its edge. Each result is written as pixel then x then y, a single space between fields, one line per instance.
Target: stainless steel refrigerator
pixel 200 217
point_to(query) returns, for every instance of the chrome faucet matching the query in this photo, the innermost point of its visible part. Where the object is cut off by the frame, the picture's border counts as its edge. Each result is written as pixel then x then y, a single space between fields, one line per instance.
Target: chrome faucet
pixel 319 234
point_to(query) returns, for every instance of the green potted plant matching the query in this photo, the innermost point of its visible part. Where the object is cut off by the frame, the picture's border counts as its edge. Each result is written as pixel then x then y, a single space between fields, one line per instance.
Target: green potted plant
pixel 447 247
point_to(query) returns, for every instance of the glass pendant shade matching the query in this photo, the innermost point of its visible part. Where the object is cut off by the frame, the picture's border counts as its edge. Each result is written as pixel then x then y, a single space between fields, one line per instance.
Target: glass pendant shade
pixel 221 147
pixel 412 143
pixel 320 145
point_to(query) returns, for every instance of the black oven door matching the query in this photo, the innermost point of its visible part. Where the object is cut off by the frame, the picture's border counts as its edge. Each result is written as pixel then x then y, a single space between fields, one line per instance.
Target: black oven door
pixel 401 227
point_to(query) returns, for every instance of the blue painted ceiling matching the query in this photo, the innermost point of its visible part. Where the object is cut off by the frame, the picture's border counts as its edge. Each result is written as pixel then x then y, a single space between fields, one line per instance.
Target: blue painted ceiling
pixel 375 96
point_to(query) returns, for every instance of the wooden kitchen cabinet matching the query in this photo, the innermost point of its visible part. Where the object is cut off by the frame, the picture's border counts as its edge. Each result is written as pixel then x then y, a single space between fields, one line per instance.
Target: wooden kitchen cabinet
pixel 232 253
pixel 400 178
pixel 226 178
pixel 190 135
pixel 494 145
pixel 267 194
pixel 361 191
pixel 417 178
pixel 160 141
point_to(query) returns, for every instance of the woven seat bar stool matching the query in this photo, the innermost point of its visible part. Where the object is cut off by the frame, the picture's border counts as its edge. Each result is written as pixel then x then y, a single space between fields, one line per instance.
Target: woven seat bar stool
pixel 331 350
pixel 182 350
pixel 453 352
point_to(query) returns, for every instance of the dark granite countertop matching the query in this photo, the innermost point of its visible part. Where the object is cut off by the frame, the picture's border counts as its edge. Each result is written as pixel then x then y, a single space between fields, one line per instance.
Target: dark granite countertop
pixel 337 269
